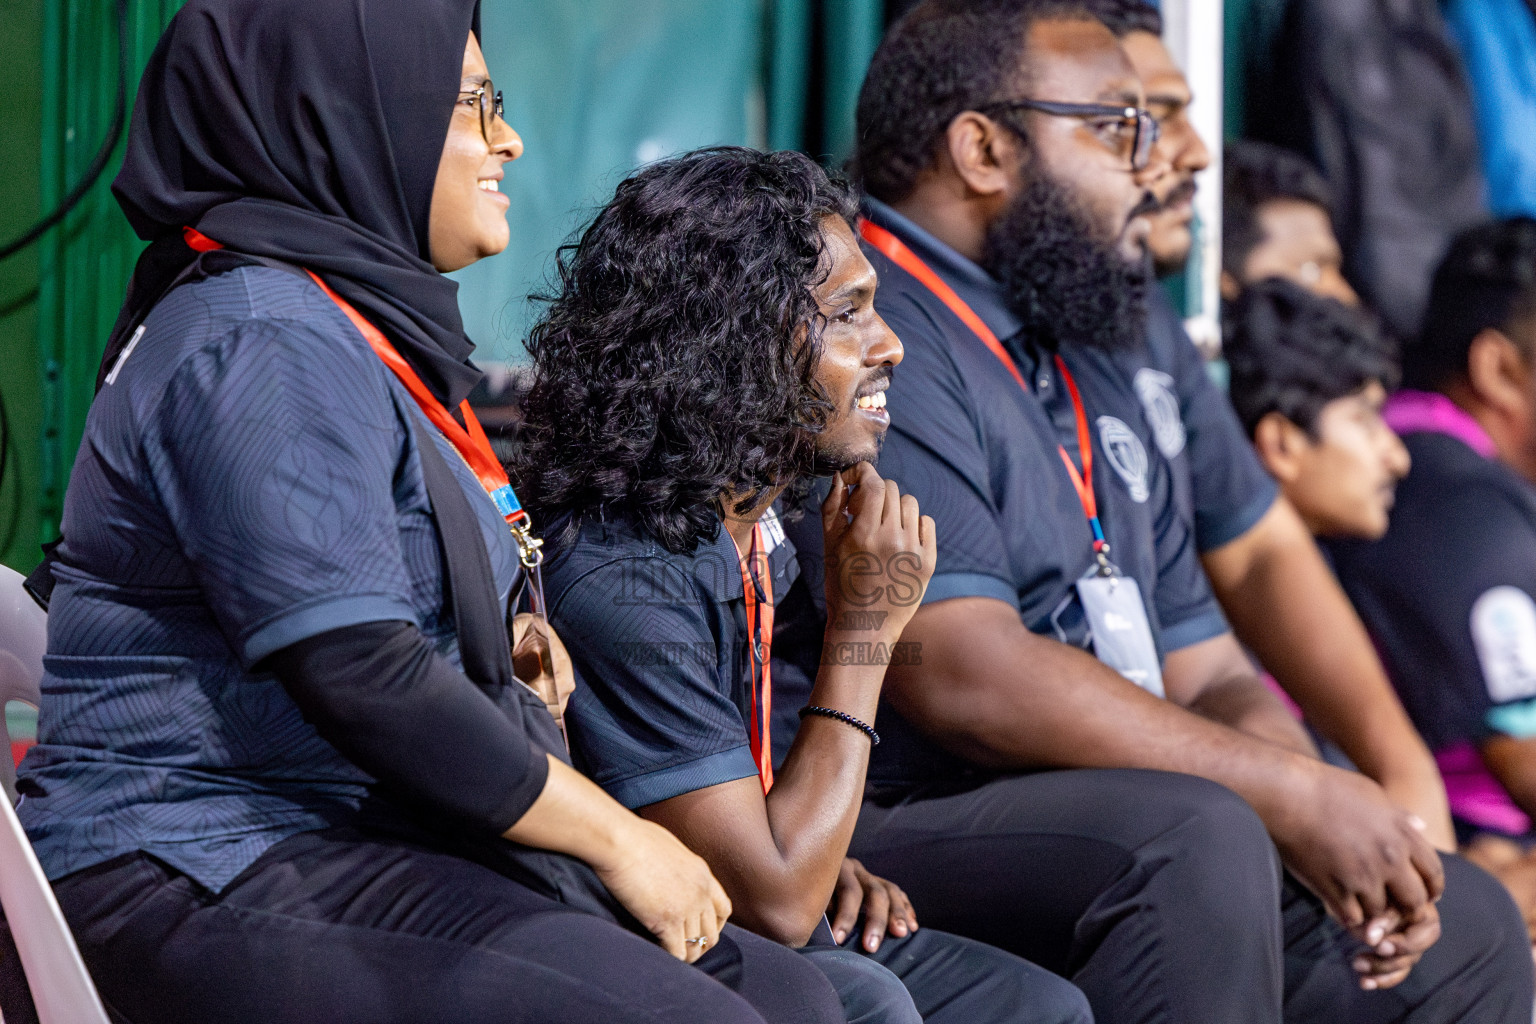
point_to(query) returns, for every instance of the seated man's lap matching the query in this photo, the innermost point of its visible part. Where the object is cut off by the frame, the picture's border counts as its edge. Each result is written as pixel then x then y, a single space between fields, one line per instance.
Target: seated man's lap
pixel 332 926
pixel 1051 865
pixel 955 980
pixel 1020 861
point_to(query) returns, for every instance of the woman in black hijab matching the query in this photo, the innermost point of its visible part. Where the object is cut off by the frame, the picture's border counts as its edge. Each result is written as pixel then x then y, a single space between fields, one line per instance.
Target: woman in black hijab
pixel 284 771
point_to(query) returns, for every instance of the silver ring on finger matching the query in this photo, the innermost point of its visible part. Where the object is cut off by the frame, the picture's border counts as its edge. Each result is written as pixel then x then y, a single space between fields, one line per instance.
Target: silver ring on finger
pixel 702 942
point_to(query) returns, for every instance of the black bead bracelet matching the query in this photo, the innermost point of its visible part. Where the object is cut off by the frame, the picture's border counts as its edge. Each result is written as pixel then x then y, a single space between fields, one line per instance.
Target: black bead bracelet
pixel 845 718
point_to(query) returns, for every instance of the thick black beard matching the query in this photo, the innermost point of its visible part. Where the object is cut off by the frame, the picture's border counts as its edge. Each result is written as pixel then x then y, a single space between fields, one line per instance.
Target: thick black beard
pixel 1066 284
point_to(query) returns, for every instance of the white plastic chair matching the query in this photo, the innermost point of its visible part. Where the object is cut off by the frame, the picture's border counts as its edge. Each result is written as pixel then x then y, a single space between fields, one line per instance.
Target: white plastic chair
pixel 62 990
pixel 23 637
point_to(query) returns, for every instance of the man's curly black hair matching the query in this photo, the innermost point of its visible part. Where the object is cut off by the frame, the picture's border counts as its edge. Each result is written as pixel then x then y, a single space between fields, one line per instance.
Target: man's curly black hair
pixel 1487 279
pixel 678 360
pixel 1293 352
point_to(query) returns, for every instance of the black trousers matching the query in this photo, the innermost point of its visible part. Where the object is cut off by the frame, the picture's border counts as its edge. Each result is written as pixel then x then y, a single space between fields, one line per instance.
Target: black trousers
pixel 1162 898
pixel 944 979
pixel 339 926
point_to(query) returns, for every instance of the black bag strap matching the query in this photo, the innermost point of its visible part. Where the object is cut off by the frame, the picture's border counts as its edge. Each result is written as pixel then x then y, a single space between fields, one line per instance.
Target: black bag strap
pixel 39 582
pixel 484 642
pixel 470 586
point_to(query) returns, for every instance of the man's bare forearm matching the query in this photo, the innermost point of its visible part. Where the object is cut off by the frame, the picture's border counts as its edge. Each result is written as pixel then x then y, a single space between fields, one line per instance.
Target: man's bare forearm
pixel 1286 606
pixel 1215 679
pixel 1513 762
pixel 779 857
pixel 991 691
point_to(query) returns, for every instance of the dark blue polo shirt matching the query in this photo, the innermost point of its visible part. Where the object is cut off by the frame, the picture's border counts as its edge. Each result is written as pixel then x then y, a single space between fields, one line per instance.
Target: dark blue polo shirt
pixel 1450 593
pixel 248 480
pixel 981 456
pixel 660 646
pixel 1218 482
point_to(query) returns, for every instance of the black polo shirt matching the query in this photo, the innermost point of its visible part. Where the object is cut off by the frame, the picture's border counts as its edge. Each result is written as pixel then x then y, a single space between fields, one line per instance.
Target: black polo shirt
pixel 660 647
pixel 1450 593
pixel 981 456
pixel 1218 482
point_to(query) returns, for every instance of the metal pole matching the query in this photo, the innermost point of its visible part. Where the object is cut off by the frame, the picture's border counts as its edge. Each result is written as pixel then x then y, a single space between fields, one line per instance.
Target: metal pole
pixel 1193 32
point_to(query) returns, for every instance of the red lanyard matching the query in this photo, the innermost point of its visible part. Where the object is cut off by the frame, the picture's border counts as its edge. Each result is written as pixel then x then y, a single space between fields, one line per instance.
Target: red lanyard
pixel 469 440
pixel 760 628
pixel 896 250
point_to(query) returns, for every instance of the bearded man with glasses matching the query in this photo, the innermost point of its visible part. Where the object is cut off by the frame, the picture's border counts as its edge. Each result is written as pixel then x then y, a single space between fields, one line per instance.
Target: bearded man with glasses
pixel 1081 766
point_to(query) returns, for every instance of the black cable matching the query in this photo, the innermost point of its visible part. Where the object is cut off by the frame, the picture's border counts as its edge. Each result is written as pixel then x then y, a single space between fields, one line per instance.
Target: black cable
pixel 103 155
pixel 7 449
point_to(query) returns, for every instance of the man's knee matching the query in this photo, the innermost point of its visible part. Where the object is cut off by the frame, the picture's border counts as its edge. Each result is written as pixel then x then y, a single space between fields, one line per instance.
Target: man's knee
pixel 1052 1000
pixel 1484 932
pixel 1067 1006
pixel 870 993
pixel 956 980
pixel 1214 863
pixel 1213 829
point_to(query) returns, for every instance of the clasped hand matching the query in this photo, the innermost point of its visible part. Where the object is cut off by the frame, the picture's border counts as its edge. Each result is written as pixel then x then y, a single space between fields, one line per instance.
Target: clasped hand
pixel 1370 864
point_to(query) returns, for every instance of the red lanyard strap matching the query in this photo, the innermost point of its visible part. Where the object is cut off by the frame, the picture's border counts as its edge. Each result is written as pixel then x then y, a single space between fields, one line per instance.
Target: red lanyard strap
pixel 1083 481
pixel 469 440
pixel 760 629
pixel 897 252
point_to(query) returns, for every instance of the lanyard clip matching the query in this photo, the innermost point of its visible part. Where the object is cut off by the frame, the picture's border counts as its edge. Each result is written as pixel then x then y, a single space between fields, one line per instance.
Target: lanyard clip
pixel 1100 547
pixel 529 548
pixel 1101 552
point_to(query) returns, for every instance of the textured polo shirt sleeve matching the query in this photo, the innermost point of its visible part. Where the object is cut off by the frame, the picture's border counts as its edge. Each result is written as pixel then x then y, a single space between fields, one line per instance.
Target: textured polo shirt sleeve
pixel 1187 611
pixel 248 455
pixel 1231 489
pixel 652 716
pixel 935 452
pixel 1484 613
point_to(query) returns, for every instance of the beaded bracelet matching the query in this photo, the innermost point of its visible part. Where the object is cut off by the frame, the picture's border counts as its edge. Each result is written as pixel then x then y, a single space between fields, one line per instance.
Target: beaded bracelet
pixel 845 718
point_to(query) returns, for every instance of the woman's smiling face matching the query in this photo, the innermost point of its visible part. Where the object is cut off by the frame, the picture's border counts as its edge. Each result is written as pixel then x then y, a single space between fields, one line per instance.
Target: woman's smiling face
pixel 469 213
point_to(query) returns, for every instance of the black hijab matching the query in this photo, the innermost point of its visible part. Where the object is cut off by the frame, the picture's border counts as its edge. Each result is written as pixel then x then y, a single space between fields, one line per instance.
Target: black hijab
pixel 306 131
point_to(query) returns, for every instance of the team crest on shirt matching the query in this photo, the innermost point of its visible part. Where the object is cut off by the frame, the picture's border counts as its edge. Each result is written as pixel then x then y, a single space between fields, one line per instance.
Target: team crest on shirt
pixel 1155 389
pixel 1126 454
pixel 1504 633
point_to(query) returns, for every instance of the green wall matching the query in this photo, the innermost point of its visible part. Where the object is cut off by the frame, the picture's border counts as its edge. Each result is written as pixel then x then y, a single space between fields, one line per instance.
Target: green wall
pixel 600 87
pixel 86 263
pixel 21 142
pixel 595 90
pixel 58 299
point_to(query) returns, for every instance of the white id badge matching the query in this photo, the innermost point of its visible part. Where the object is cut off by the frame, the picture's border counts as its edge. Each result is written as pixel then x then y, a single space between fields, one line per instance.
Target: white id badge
pixel 1122 637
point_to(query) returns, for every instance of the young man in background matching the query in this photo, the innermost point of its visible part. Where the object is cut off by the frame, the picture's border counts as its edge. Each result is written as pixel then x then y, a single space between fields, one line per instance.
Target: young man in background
pixel 1309 379
pixel 1450 591
pixel 1277 221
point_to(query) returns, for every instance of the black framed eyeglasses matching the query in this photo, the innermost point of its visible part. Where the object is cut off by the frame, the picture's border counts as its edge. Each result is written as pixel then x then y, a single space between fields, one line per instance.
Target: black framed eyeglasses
pixel 1133 131
pixel 488 98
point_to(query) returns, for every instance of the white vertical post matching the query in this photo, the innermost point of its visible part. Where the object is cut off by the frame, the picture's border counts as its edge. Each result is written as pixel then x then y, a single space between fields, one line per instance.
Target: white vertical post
pixel 1193 31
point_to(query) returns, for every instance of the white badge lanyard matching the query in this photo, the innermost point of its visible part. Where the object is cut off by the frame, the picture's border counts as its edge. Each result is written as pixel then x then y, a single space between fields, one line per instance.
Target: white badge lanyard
pixel 1122 634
